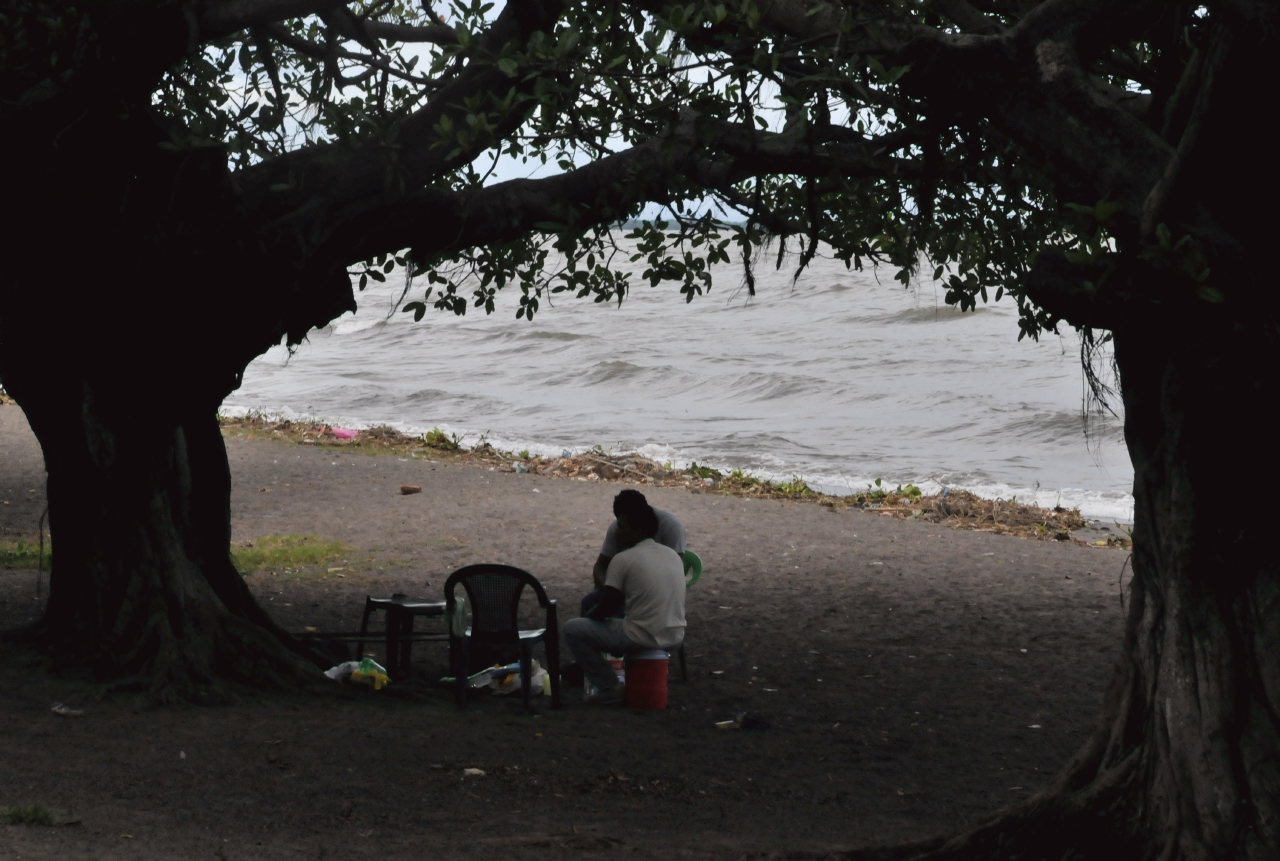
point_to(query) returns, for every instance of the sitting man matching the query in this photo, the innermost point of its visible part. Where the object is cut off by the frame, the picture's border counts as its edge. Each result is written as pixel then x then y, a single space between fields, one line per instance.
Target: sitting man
pixel 670 533
pixel 649 578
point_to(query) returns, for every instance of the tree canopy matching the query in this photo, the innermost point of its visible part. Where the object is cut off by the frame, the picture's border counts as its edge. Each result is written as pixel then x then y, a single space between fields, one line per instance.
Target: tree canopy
pixel 964 137
pixel 897 132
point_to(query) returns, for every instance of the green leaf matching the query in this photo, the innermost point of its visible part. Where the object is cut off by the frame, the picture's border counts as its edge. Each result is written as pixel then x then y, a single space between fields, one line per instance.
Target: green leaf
pixel 1105 209
pixel 895 73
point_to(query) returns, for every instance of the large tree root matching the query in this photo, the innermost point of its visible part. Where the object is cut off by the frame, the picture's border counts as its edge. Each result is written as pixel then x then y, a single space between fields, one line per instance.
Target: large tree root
pixel 231 654
pixel 1073 820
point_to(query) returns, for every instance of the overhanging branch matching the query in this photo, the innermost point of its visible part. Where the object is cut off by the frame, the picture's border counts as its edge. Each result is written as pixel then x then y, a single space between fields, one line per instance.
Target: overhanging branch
pixel 311 189
pixel 231 16
pixel 437 34
pixel 696 154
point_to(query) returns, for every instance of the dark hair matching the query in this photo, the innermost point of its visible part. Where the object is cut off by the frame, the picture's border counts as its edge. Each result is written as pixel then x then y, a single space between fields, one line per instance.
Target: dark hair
pixel 632 505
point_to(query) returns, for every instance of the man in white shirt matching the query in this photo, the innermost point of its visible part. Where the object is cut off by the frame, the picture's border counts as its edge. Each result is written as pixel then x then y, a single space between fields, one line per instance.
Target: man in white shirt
pixel 670 533
pixel 649 578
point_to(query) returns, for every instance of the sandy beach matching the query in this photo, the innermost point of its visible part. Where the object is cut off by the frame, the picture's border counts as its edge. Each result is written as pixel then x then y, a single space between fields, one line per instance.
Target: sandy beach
pixel 914 678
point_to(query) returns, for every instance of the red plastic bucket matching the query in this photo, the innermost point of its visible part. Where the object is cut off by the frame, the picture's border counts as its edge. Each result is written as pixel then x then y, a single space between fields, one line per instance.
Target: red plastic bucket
pixel 647 679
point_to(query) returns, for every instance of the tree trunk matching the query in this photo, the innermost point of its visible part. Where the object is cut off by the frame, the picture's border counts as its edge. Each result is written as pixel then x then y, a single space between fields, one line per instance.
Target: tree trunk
pixel 1197 707
pixel 142 587
pixel 1185 763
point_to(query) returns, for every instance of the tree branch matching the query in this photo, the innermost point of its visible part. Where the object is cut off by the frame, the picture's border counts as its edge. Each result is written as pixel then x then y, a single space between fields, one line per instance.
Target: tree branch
pixel 1154 204
pixel 696 154
pixel 968 18
pixel 311 190
pixel 231 16
pixel 320 52
pixel 437 34
pixel 1081 294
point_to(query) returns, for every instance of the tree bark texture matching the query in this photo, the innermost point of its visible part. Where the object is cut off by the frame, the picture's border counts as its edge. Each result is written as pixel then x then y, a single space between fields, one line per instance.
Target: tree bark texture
pixel 1198 707
pixel 132 299
pixel 143 588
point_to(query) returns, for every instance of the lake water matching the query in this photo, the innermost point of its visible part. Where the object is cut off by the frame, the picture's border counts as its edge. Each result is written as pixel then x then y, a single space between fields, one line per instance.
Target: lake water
pixel 839 379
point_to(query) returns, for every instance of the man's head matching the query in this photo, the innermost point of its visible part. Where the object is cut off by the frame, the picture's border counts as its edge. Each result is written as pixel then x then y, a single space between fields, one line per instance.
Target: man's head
pixel 636 519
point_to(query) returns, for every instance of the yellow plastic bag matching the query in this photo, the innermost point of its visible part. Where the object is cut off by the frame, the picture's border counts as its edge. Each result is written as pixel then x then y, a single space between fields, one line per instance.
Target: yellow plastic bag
pixel 372 677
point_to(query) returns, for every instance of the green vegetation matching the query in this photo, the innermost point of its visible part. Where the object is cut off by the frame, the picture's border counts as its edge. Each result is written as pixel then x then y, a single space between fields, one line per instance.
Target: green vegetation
pixel 23 554
pixel 437 438
pixel 524 454
pixel 704 471
pixel 32 814
pixel 795 487
pixel 879 492
pixel 286 551
pixel 744 482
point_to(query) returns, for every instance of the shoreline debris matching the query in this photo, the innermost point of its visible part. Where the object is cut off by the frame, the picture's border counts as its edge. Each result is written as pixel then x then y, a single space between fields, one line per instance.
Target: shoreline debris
pixel 958 509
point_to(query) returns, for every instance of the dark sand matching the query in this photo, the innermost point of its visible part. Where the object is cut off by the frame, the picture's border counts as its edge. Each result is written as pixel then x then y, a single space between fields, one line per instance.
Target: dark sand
pixel 888 657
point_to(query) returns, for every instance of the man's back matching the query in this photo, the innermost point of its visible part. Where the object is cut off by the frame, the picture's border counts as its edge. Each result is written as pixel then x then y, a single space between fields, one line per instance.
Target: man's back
pixel 651 578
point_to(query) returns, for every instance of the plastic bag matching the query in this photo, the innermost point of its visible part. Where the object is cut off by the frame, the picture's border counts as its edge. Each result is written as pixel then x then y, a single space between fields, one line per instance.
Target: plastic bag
pixel 342 672
pixel 458 622
pixel 506 680
pixel 365 672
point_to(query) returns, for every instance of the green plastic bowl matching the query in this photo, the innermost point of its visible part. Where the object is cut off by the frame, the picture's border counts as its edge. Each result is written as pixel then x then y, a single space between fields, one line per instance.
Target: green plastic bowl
pixel 692 568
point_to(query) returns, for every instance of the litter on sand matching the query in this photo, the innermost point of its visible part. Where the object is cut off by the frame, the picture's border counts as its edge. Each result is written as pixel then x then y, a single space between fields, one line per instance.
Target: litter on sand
pixel 473 772
pixel 364 672
pixel 506 680
pixel 407 489
pixel 66 711
pixel 742 721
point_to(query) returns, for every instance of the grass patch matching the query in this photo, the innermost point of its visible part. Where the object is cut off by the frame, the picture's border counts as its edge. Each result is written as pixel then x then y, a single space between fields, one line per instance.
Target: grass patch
pixel 286 551
pixel 34 814
pixel 23 554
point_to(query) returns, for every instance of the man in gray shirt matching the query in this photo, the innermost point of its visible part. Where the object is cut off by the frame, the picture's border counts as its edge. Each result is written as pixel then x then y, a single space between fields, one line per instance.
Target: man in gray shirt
pixel 670 533
pixel 649 578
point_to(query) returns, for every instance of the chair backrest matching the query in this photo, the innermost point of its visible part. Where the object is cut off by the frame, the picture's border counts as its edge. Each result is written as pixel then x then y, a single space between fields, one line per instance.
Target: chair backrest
pixel 493 591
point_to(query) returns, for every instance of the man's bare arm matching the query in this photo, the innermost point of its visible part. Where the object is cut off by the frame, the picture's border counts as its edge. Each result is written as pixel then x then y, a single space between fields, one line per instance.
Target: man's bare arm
pixel 611 603
pixel 600 569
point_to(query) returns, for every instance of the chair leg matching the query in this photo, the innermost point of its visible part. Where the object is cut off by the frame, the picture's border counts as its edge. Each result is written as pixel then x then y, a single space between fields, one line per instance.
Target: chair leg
pixel 460 671
pixel 526 672
pixel 684 671
pixel 364 627
pixel 406 644
pixel 394 621
pixel 551 642
pixel 553 667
